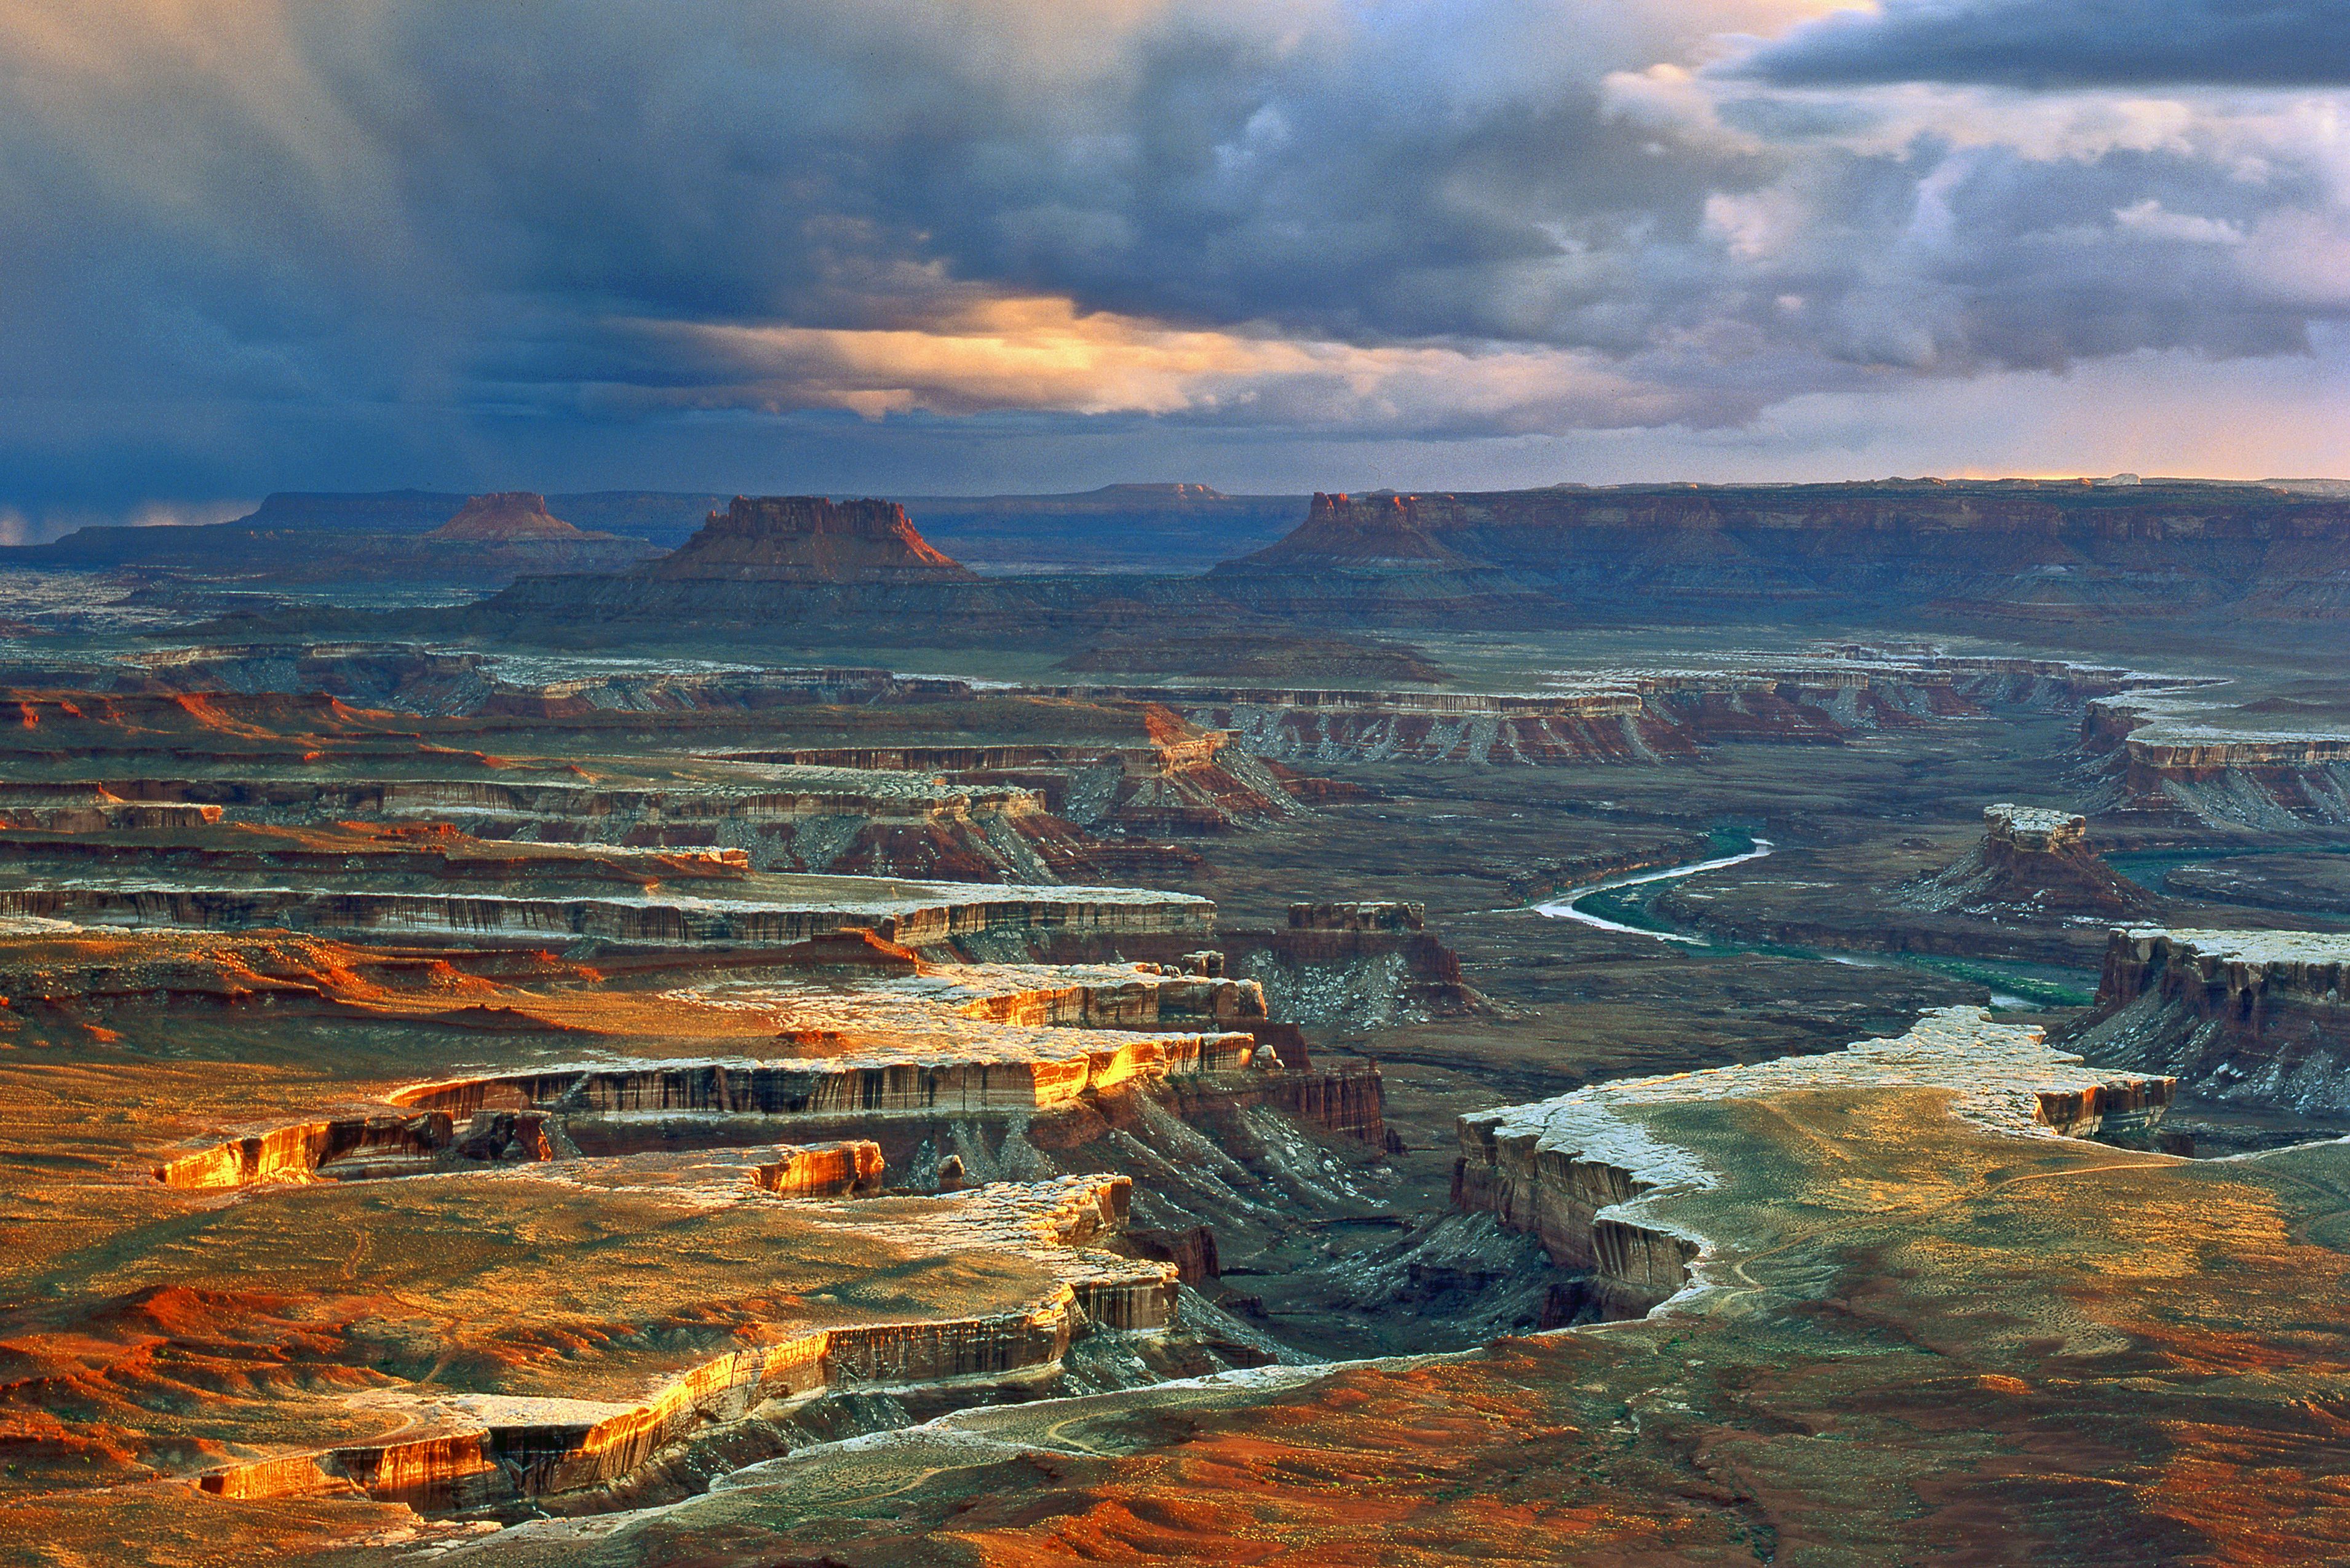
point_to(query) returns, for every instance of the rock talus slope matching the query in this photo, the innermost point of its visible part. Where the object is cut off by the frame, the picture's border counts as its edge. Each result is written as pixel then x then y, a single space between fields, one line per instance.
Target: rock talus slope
pixel 2255 1017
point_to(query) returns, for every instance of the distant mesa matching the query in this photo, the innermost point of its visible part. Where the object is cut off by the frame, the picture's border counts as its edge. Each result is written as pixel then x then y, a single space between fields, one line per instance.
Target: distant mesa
pixel 807 539
pixel 1943 550
pixel 1163 491
pixel 508 516
pixel 1342 531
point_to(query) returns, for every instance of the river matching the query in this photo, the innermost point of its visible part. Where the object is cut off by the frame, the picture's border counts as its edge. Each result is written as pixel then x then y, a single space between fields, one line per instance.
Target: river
pixel 1563 906
pixel 2053 988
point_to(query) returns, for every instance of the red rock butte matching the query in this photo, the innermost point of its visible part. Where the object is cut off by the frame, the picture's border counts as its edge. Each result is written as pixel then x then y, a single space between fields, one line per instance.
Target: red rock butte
pixel 809 538
pixel 1341 530
pixel 509 514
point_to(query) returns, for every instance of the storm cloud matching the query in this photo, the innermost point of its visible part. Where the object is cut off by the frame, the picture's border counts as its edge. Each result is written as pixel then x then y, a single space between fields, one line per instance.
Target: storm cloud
pixel 870 244
pixel 2049 44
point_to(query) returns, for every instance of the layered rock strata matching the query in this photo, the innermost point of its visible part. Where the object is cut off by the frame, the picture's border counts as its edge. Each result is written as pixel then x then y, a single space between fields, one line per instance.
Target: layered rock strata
pixel 2030 863
pixel 2159 759
pixel 822 1170
pixel 897 912
pixel 1586 1172
pixel 2261 1018
pixel 923 1045
pixel 1631 716
pixel 876 1082
pixel 1080 792
pixel 467 1452
pixel 2009 549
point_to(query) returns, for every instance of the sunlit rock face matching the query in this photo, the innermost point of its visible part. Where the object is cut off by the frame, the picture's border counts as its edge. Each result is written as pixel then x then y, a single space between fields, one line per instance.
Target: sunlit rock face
pixel 547 1281
pixel 2261 1018
pixel 537 1430
pixel 1588 1174
pixel 807 539
pixel 1919 1321
pixel 2029 863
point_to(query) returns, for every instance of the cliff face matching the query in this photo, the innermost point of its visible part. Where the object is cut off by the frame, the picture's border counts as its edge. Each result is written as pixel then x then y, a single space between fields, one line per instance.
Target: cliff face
pixel 2009 549
pixel 806 539
pixel 1631 717
pixel 2158 758
pixel 2029 863
pixel 2257 1017
pixel 1595 1174
pixel 1340 531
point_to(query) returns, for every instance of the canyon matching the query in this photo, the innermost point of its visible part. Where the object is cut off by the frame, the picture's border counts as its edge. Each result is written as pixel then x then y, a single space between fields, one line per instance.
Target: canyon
pixel 811 1047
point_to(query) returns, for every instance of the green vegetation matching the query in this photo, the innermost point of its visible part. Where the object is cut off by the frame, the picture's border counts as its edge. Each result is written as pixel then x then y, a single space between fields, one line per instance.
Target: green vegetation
pixel 1626 907
pixel 2047 992
pixel 1725 842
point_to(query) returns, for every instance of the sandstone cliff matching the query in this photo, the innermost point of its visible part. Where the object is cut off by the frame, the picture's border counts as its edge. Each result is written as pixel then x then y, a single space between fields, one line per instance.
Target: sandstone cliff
pixel 2256 1017
pixel 1592 1173
pixel 2162 755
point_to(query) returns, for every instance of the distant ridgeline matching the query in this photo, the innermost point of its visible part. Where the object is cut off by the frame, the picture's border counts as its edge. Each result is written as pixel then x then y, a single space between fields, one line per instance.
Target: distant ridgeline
pixel 399 536
pixel 2008 549
pixel 1115 562
pixel 1119 527
pixel 1933 553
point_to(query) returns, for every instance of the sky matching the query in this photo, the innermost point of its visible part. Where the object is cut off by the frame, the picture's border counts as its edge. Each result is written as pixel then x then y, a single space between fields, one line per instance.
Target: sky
pixel 958 246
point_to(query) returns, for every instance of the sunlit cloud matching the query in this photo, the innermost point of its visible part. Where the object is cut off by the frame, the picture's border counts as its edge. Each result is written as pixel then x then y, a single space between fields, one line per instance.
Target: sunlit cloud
pixel 1039 354
pixel 279 245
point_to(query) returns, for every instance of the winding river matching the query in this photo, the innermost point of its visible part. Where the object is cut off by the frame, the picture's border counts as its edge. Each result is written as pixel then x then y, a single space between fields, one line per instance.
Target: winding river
pixel 1563 906
pixel 1992 973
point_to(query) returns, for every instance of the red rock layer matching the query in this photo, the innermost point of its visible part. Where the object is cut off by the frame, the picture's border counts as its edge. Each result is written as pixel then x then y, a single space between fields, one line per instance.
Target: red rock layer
pixel 807 539
pixel 507 515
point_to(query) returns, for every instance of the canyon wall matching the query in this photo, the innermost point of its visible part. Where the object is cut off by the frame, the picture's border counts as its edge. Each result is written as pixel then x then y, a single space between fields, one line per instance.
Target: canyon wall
pixel 472 1451
pixel 2255 1017
pixel 1633 716
pixel 1586 1173
pixel 2156 758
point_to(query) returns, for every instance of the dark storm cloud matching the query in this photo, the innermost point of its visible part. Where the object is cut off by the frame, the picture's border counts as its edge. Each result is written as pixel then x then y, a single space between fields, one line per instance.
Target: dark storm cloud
pixel 2043 43
pixel 264 246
